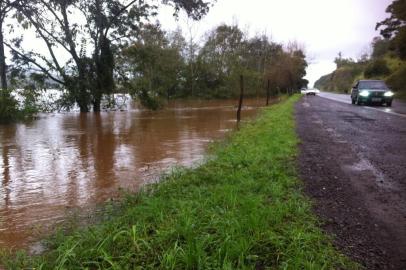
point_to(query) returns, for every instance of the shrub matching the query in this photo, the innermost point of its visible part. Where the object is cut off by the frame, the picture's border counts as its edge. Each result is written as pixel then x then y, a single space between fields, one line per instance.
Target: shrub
pixel 380 47
pixel 20 108
pixel 397 81
pixel 377 68
pixel 8 107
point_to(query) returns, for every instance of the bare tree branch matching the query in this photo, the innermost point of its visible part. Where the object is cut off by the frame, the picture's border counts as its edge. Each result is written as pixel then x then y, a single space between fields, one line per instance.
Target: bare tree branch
pixel 35 63
pixel 117 15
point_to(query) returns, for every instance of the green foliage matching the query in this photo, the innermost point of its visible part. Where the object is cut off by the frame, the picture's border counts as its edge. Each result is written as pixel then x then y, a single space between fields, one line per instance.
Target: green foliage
pixel 376 69
pixel 153 67
pixel 343 79
pixel 400 43
pixel 223 54
pixel 380 47
pixel 90 39
pixel 340 61
pixel 242 209
pixel 394 27
pixel 149 99
pixel 397 82
pixel 109 48
pixel 162 65
pixel 30 98
pixel 11 110
pixel 8 107
pixel 286 70
pixel 322 82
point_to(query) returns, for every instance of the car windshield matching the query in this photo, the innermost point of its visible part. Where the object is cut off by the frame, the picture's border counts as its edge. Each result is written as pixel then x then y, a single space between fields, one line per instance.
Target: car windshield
pixel 372 85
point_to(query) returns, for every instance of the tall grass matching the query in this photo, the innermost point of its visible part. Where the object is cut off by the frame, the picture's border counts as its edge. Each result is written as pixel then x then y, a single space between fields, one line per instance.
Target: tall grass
pixel 242 209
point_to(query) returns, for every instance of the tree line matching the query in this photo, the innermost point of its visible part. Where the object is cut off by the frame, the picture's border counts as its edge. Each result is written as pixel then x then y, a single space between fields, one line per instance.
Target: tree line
pixel 93 48
pixel 162 65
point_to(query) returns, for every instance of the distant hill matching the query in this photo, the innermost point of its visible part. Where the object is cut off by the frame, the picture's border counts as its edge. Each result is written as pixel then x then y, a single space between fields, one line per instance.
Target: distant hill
pixel 322 82
pixel 342 78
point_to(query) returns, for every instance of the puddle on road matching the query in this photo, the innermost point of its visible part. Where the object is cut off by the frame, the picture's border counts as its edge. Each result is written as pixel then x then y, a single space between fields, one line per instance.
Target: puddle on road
pixel 317 120
pixel 364 166
pixel 336 137
pixel 356 118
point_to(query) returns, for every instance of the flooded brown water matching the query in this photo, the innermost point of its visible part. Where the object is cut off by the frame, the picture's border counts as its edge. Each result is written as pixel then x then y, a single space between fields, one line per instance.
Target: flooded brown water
pixel 76 161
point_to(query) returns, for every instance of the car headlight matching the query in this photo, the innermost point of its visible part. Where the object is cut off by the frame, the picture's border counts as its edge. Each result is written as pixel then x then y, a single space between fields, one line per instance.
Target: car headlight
pixel 389 94
pixel 364 93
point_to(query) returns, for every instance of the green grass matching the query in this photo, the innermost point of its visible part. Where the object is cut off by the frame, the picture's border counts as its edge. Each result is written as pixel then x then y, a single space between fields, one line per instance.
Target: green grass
pixel 243 209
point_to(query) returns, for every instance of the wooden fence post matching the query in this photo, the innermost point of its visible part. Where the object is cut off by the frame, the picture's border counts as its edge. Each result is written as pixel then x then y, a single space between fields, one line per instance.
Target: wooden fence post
pixel 241 98
pixel 268 93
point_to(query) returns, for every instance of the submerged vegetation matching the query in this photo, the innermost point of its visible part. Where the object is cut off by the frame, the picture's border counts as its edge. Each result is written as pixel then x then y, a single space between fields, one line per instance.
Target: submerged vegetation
pixel 243 209
pixel 93 49
pixel 8 107
pixel 11 109
pixel 81 40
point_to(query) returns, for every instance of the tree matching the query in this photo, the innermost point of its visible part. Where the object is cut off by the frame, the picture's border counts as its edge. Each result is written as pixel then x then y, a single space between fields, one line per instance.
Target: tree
pixel 90 42
pixel 153 66
pixel 379 47
pixel 340 61
pixel 222 54
pixel 8 105
pixel 260 53
pixel 6 6
pixel 192 48
pixel 377 68
pixel 394 27
pixel 228 53
pixel 287 69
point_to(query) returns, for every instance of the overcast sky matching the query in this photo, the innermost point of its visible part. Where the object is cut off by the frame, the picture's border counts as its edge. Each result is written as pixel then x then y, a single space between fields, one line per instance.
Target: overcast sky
pixel 324 27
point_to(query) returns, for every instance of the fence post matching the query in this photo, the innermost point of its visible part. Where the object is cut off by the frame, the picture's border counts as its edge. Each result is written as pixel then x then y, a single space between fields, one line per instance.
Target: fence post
pixel 268 93
pixel 241 98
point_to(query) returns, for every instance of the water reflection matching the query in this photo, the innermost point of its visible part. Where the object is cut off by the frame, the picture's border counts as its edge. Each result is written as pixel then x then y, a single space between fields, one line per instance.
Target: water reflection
pixel 70 160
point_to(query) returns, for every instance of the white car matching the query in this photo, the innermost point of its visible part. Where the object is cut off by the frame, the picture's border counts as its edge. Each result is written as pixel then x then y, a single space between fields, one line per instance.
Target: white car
pixel 312 91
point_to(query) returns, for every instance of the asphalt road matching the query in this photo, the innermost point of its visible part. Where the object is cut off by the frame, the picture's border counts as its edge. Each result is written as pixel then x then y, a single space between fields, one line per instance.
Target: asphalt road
pixel 398 107
pixel 353 162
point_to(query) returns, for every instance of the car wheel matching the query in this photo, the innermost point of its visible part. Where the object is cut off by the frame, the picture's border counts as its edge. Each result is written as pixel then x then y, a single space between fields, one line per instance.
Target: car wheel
pixel 389 104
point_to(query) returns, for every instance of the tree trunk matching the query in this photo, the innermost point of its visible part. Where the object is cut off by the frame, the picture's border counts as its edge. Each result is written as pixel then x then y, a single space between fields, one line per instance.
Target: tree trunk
pixel 83 107
pixel 83 98
pixel 96 104
pixel 104 61
pixel 3 66
pixel 82 101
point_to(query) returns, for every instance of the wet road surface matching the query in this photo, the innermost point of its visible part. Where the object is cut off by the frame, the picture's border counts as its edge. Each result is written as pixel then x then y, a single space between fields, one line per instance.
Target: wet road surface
pixel 353 162
pixel 398 107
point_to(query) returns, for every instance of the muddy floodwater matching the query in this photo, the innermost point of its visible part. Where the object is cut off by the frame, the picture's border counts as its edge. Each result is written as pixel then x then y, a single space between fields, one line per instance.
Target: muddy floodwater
pixel 71 161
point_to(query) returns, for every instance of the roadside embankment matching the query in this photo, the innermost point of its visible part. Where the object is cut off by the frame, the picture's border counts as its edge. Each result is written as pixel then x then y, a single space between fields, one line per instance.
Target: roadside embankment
pixel 243 209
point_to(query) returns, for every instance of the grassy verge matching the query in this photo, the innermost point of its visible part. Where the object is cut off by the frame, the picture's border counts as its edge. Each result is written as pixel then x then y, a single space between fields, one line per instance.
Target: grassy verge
pixel 243 209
